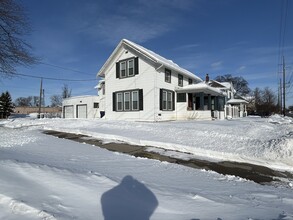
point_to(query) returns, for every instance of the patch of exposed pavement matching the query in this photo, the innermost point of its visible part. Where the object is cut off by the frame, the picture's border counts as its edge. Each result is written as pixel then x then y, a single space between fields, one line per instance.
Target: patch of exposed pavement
pixel 256 173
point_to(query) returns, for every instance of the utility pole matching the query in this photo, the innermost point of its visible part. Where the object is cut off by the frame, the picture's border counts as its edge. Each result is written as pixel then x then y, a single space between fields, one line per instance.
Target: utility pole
pixel 284 88
pixel 280 97
pixel 43 98
pixel 40 99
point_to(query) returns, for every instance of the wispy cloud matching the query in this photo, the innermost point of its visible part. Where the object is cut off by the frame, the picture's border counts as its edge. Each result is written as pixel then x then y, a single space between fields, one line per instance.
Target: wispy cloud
pixel 217 65
pixel 186 47
pixel 114 28
pixel 177 4
pixel 139 21
pixel 240 69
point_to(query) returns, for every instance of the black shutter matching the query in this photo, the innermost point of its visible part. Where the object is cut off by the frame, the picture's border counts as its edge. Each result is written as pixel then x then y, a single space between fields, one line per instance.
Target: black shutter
pixel 114 101
pixel 136 66
pixel 118 70
pixel 140 95
pixel 161 99
pixel 173 101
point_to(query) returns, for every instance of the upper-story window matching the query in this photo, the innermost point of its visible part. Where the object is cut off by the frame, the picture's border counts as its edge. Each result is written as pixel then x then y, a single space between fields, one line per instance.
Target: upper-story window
pixel 180 80
pixel 127 68
pixel 190 81
pixel 123 69
pixel 167 75
pixel 130 67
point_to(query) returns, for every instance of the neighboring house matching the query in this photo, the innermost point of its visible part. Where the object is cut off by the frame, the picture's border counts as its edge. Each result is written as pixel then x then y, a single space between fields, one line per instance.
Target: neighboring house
pixel 81 107
pixel 144 86
pixel 235 105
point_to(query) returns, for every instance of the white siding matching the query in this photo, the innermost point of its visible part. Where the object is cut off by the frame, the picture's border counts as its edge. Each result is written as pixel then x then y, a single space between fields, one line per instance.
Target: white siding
pixel 160 79
pixel 144 80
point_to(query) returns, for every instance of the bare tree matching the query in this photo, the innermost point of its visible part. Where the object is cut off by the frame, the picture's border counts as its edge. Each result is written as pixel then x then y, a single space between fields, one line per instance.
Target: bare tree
pixel 239 83
pixel 14 51
pixel 264 102
pixel 23 101
pixel 66 92
pixel 56 100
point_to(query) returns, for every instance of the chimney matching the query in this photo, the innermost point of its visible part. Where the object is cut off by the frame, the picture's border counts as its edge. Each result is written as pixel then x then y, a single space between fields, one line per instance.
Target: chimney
pixel 207 78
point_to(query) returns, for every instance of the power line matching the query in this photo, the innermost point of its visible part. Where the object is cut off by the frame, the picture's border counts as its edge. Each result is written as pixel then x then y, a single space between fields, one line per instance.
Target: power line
pixel 56 79
pixel 65 68
pixel 282 32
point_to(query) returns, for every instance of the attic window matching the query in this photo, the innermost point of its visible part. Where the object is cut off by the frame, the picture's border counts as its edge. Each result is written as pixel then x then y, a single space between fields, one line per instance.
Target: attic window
pixel 123 69
pixel 127 68
pixel 130 67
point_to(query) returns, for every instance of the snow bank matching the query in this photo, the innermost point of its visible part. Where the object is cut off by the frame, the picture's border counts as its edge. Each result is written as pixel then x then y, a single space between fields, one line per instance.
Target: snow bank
pixel 261 141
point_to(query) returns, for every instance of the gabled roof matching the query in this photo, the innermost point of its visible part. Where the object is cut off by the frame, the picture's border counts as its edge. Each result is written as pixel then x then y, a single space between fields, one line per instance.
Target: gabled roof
pixel 150 55
pixel 216 84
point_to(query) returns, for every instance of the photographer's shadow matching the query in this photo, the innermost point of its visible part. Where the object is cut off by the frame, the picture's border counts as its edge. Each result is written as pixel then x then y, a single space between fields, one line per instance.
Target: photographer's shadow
pixel 130 200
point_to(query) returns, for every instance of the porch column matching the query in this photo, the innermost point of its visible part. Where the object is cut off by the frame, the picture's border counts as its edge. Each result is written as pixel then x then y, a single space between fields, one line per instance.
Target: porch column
pixel 209 102
pixel 201 101
pixel 217 103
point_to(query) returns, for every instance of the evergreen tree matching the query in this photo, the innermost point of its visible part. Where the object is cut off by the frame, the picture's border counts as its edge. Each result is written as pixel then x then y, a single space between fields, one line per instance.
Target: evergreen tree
pixel 6 105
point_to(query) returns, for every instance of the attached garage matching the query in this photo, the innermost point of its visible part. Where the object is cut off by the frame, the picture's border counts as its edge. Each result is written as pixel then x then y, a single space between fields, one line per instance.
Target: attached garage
pixel 81 111
pixel 68 111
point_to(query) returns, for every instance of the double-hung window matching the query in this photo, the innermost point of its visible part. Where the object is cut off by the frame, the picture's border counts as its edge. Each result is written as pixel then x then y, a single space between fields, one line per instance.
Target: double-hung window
pixel 127 68
pixel 134 100
pixel 119 99
pixel 128 100
pixel 167 75
pixel 123 69
pixel 189 81
pixel 180 80
pixel 130 67
pixel 167 100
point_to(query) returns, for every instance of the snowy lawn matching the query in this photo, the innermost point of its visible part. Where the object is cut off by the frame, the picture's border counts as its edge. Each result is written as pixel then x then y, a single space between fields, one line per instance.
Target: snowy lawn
pixel 43 177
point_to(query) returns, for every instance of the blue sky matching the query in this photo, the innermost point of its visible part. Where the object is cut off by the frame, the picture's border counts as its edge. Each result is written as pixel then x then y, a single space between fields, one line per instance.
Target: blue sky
pixel 238 37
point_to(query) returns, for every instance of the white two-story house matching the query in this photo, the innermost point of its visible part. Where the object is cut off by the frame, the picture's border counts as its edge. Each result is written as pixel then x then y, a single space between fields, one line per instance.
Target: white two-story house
pixel 141 85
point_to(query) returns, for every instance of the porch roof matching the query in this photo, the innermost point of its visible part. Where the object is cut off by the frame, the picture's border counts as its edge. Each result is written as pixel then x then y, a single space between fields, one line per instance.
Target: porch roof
pixel 237 101
pixel 200 87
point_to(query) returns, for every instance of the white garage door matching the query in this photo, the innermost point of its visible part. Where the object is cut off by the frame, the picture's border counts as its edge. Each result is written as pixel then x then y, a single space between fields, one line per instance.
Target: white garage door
pixel 68 111
pixel 81 111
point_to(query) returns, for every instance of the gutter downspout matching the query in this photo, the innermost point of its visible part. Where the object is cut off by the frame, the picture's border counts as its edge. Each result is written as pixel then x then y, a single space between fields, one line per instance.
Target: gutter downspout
pixel 156 112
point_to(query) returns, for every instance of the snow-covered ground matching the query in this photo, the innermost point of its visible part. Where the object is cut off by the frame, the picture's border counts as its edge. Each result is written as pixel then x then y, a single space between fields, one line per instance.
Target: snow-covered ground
pixel 43 177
